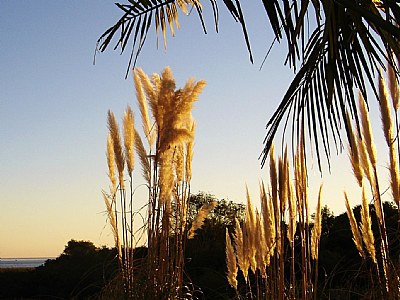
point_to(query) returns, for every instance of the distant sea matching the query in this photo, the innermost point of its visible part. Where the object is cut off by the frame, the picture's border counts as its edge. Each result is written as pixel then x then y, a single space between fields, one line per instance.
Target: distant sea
pixel 22 262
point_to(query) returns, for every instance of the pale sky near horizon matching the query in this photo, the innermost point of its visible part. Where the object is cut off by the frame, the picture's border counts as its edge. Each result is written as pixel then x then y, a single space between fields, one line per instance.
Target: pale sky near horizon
pixel 54 101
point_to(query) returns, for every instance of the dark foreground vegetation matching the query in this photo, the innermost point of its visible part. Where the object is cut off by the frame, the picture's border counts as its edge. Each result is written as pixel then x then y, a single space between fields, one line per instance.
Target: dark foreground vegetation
pixel 84 271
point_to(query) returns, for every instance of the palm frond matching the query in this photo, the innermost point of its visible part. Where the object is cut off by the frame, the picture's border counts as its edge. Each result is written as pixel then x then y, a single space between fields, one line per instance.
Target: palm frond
pixel 138 16
pixel 337 52
pixel 343 53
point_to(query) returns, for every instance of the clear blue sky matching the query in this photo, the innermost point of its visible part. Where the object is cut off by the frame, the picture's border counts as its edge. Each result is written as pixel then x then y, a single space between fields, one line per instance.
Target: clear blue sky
pixel 53 105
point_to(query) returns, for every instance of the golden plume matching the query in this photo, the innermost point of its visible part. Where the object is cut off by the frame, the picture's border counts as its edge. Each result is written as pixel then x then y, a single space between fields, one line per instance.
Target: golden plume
pixel 201 216
pixel 354 228
pixel 129 139
pixel 367 235
pixel 231 261
pixel 353 153
pixel 111 164
pixel 367 131
pixel 317 229
pixel 119 156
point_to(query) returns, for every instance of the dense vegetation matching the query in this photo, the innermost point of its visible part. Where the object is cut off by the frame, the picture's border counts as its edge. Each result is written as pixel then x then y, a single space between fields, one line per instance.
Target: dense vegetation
pixel 84 271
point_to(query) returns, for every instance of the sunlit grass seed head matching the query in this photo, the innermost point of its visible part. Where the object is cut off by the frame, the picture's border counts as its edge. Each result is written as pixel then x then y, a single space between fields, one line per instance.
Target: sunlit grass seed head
pixel 292 214
pixel 365 162
pixel 386 117
pixel 119 155
pixel 366 228
pixel 239 246
pixel 201 216
pixel 129 139
pixel 231 261
pixel 367 130
pixel 317 229
pixel 189 154
pixel 144 158
pixel 393 87
pixel 262 254
pixel 354 228
pixel 251 231
pixel 148 129
pixel 111 163
pixel 268 217
pixel 179 162
pixel 353 154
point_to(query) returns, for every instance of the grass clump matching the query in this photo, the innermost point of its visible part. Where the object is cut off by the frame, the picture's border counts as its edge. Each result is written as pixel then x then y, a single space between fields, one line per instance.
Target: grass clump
pixel 166 162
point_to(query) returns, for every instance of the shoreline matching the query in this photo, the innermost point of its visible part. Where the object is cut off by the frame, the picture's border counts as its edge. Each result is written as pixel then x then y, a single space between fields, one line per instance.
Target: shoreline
pixel 19 269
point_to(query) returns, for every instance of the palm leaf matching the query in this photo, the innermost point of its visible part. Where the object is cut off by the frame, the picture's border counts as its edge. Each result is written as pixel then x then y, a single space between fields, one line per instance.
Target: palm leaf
pixel 341 55
pixel 349 41
pixel 138 14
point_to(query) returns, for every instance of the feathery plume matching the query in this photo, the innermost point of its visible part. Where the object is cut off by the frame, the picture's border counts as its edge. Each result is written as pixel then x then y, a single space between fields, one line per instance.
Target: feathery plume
pixel 394 175
pixel 274 192
pixel 189 155
pixel 179 163
pixel 367 131
pixel 387 125
pixel 386 116
pixel 201 216
pixel 111 163
pixel 129 139
pixel 230 261
pixel 292 215
pixel 251 227
pixel 353 153
pixel 283 182
pixel 119 156
pixel 268 221
pixel 316 231
pixel 144 159
pixel 144 111
pixel 151 88
pixel 273 177
pixel 365 162
pixel 357 239
pixel 246 258
pixel 111 219
pixel 261 247
pixel 239 247
pixel 393 87
pixel 366 229
pixel 166 178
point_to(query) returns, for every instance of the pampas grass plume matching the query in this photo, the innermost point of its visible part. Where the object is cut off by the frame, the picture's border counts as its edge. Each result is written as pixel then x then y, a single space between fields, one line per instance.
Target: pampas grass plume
pixel 354 228
pixel 262 252
pixel 353 153
pixel 366 229
pixel 239 246
pixel 119 156
pixel 385 110
pixel 393 87
pixel 201 216
pixel 144 159
pixel 250 226
pixel 111 163
pixel 189 155
pixel 129 139
pixel 367 131
pixel 144 111
pixel 268 222
pixel 231 261
pixel 292 214
pixel 316 231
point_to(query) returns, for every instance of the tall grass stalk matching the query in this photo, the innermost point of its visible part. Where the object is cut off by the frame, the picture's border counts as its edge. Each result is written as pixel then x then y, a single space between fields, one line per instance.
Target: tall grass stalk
pixel 364 147
pixel 259 243
pixel 166 168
